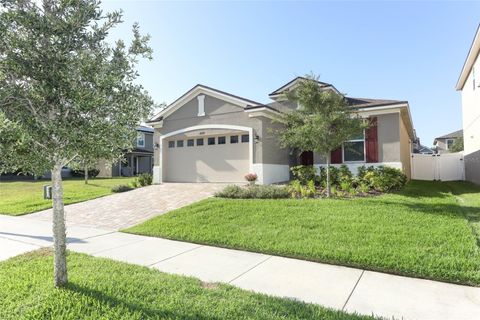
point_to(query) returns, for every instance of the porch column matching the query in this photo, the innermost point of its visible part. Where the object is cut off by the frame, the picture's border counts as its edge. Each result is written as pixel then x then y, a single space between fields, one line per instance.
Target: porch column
pixel 158 160
pixel 131 164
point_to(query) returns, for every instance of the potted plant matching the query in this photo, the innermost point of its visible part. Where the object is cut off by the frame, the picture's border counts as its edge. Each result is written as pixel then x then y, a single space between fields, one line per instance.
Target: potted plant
pixel 251 178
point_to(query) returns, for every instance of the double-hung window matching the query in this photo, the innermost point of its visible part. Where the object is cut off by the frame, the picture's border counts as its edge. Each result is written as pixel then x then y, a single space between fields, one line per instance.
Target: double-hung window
pixel 449 143
pixel 354 149
pixel 141 140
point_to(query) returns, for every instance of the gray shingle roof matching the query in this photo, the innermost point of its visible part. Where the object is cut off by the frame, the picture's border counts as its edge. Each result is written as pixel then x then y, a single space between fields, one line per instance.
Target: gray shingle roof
pixel 354 102
pixel 369 103
pixel 455 134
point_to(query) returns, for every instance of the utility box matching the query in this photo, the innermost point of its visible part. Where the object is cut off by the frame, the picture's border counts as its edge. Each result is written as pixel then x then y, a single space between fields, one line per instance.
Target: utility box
pixel 47 192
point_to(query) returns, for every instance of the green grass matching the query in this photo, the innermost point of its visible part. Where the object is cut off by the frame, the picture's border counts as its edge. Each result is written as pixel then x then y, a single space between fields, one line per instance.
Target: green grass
pixel 425 231
pixel 21 197
pixel 105 289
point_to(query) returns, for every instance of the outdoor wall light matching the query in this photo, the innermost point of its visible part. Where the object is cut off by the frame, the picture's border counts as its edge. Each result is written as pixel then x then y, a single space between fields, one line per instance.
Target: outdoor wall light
pixel 257 138
pixel 156 146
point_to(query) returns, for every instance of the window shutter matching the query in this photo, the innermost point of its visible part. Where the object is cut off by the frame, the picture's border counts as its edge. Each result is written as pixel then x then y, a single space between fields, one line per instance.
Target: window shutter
pixel 371 141
pixel 336 156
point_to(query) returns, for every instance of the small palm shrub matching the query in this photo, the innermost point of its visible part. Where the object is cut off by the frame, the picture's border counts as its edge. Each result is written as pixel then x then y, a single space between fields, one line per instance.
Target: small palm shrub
pixel 299 190
pixel 121 188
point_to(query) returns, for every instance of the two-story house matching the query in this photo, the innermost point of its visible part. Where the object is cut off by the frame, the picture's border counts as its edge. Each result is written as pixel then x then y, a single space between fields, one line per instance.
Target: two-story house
pixel 138 160
pixel 444 144
pixel 469 85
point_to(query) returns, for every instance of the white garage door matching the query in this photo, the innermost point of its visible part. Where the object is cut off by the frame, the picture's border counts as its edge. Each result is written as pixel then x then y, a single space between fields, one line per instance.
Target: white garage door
pixel 220 158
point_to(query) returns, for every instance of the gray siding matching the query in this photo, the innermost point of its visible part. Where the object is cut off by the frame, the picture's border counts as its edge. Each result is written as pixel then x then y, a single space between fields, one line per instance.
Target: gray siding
pixel 388 132
pixel 272 152
pixel 216 112
pixel 472 167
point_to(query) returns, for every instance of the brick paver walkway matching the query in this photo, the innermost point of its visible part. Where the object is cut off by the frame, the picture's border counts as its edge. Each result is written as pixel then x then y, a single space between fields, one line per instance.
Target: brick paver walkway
pixel 126 209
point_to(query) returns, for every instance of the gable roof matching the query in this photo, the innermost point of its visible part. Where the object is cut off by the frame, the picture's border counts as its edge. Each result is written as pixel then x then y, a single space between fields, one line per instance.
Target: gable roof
pixel 199 89
pixel 294 82
pixel 455 134
pixel 470 60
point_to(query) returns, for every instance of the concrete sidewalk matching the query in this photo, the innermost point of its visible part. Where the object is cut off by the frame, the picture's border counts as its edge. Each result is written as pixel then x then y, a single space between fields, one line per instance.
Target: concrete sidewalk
pixel 342 288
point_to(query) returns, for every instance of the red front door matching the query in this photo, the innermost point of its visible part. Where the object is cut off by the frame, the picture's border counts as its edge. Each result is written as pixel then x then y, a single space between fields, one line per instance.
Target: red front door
pixel 306 158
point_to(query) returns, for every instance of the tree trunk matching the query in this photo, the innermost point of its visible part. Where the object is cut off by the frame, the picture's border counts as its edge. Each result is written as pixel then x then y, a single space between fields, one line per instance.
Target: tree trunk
pixel 59 233
pixel 86 175
pixel 328 173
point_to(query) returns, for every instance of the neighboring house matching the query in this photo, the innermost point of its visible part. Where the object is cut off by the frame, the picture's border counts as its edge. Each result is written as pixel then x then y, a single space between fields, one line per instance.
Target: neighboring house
pixel 208 135
pixel 469 85
pixel 420 148
pixel 138 160
pixel 444 143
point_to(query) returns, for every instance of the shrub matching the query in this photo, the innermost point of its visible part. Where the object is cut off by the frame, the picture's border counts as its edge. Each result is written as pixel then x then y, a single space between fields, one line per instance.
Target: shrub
pixel 299 190
pixel 384 179
pixel 267 192
pixel 363 187
pixel 344 174
pixel 304 174
pixel 144 179
pixel 92 173
pixel 121 188
pixel 390 179
pixel 334 176
pixel 134 184
pixel 253 192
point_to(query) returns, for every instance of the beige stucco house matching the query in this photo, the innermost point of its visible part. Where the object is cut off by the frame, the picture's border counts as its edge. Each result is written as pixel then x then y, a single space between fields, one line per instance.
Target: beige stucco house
pixel 443 144
pixel 469 85
pixel 208 135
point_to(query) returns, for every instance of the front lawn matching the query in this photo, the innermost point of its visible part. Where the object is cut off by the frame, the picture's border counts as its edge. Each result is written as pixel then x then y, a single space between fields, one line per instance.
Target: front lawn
pixel 424 231
pixel 105 289
pixel 21 197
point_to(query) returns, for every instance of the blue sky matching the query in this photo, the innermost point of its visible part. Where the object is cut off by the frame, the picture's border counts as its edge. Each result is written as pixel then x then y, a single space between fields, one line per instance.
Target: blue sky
pixel 389 50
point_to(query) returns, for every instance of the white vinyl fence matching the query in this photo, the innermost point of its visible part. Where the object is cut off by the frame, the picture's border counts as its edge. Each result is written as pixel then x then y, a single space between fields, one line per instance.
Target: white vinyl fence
pixel 444 167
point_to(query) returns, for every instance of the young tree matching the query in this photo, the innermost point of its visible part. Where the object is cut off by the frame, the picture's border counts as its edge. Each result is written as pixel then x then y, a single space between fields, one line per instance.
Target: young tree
pixel 66 90
pixel 322 123
pixel 457 145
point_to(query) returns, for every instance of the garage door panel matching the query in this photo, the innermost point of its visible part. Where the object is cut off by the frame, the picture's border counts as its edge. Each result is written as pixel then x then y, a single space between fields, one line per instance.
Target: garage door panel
pixel 207 163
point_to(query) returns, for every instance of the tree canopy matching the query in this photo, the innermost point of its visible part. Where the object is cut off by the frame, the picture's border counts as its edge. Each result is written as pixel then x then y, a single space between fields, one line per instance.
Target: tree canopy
pixel 66 88
pixel 323 121
pixel 67 95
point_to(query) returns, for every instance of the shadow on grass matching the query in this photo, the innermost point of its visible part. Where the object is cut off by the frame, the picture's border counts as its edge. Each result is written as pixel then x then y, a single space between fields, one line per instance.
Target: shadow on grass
pixel 437 189
pixel 279 306
pixel 134 308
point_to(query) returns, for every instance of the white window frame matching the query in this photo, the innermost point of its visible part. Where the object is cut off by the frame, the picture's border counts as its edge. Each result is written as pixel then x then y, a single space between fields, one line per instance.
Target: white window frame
pixel 142 135
pixel 364 150
pixel 446 143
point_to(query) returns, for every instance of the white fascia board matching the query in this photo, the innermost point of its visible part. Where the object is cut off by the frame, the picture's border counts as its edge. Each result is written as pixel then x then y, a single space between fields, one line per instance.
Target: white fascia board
pixel 156 124
pixel 396 108
pixel 195 92
pixel 262 112
pixel 472 56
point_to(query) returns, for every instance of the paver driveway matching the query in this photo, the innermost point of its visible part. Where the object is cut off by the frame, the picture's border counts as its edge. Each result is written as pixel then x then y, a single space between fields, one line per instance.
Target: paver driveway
pixel 126 209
